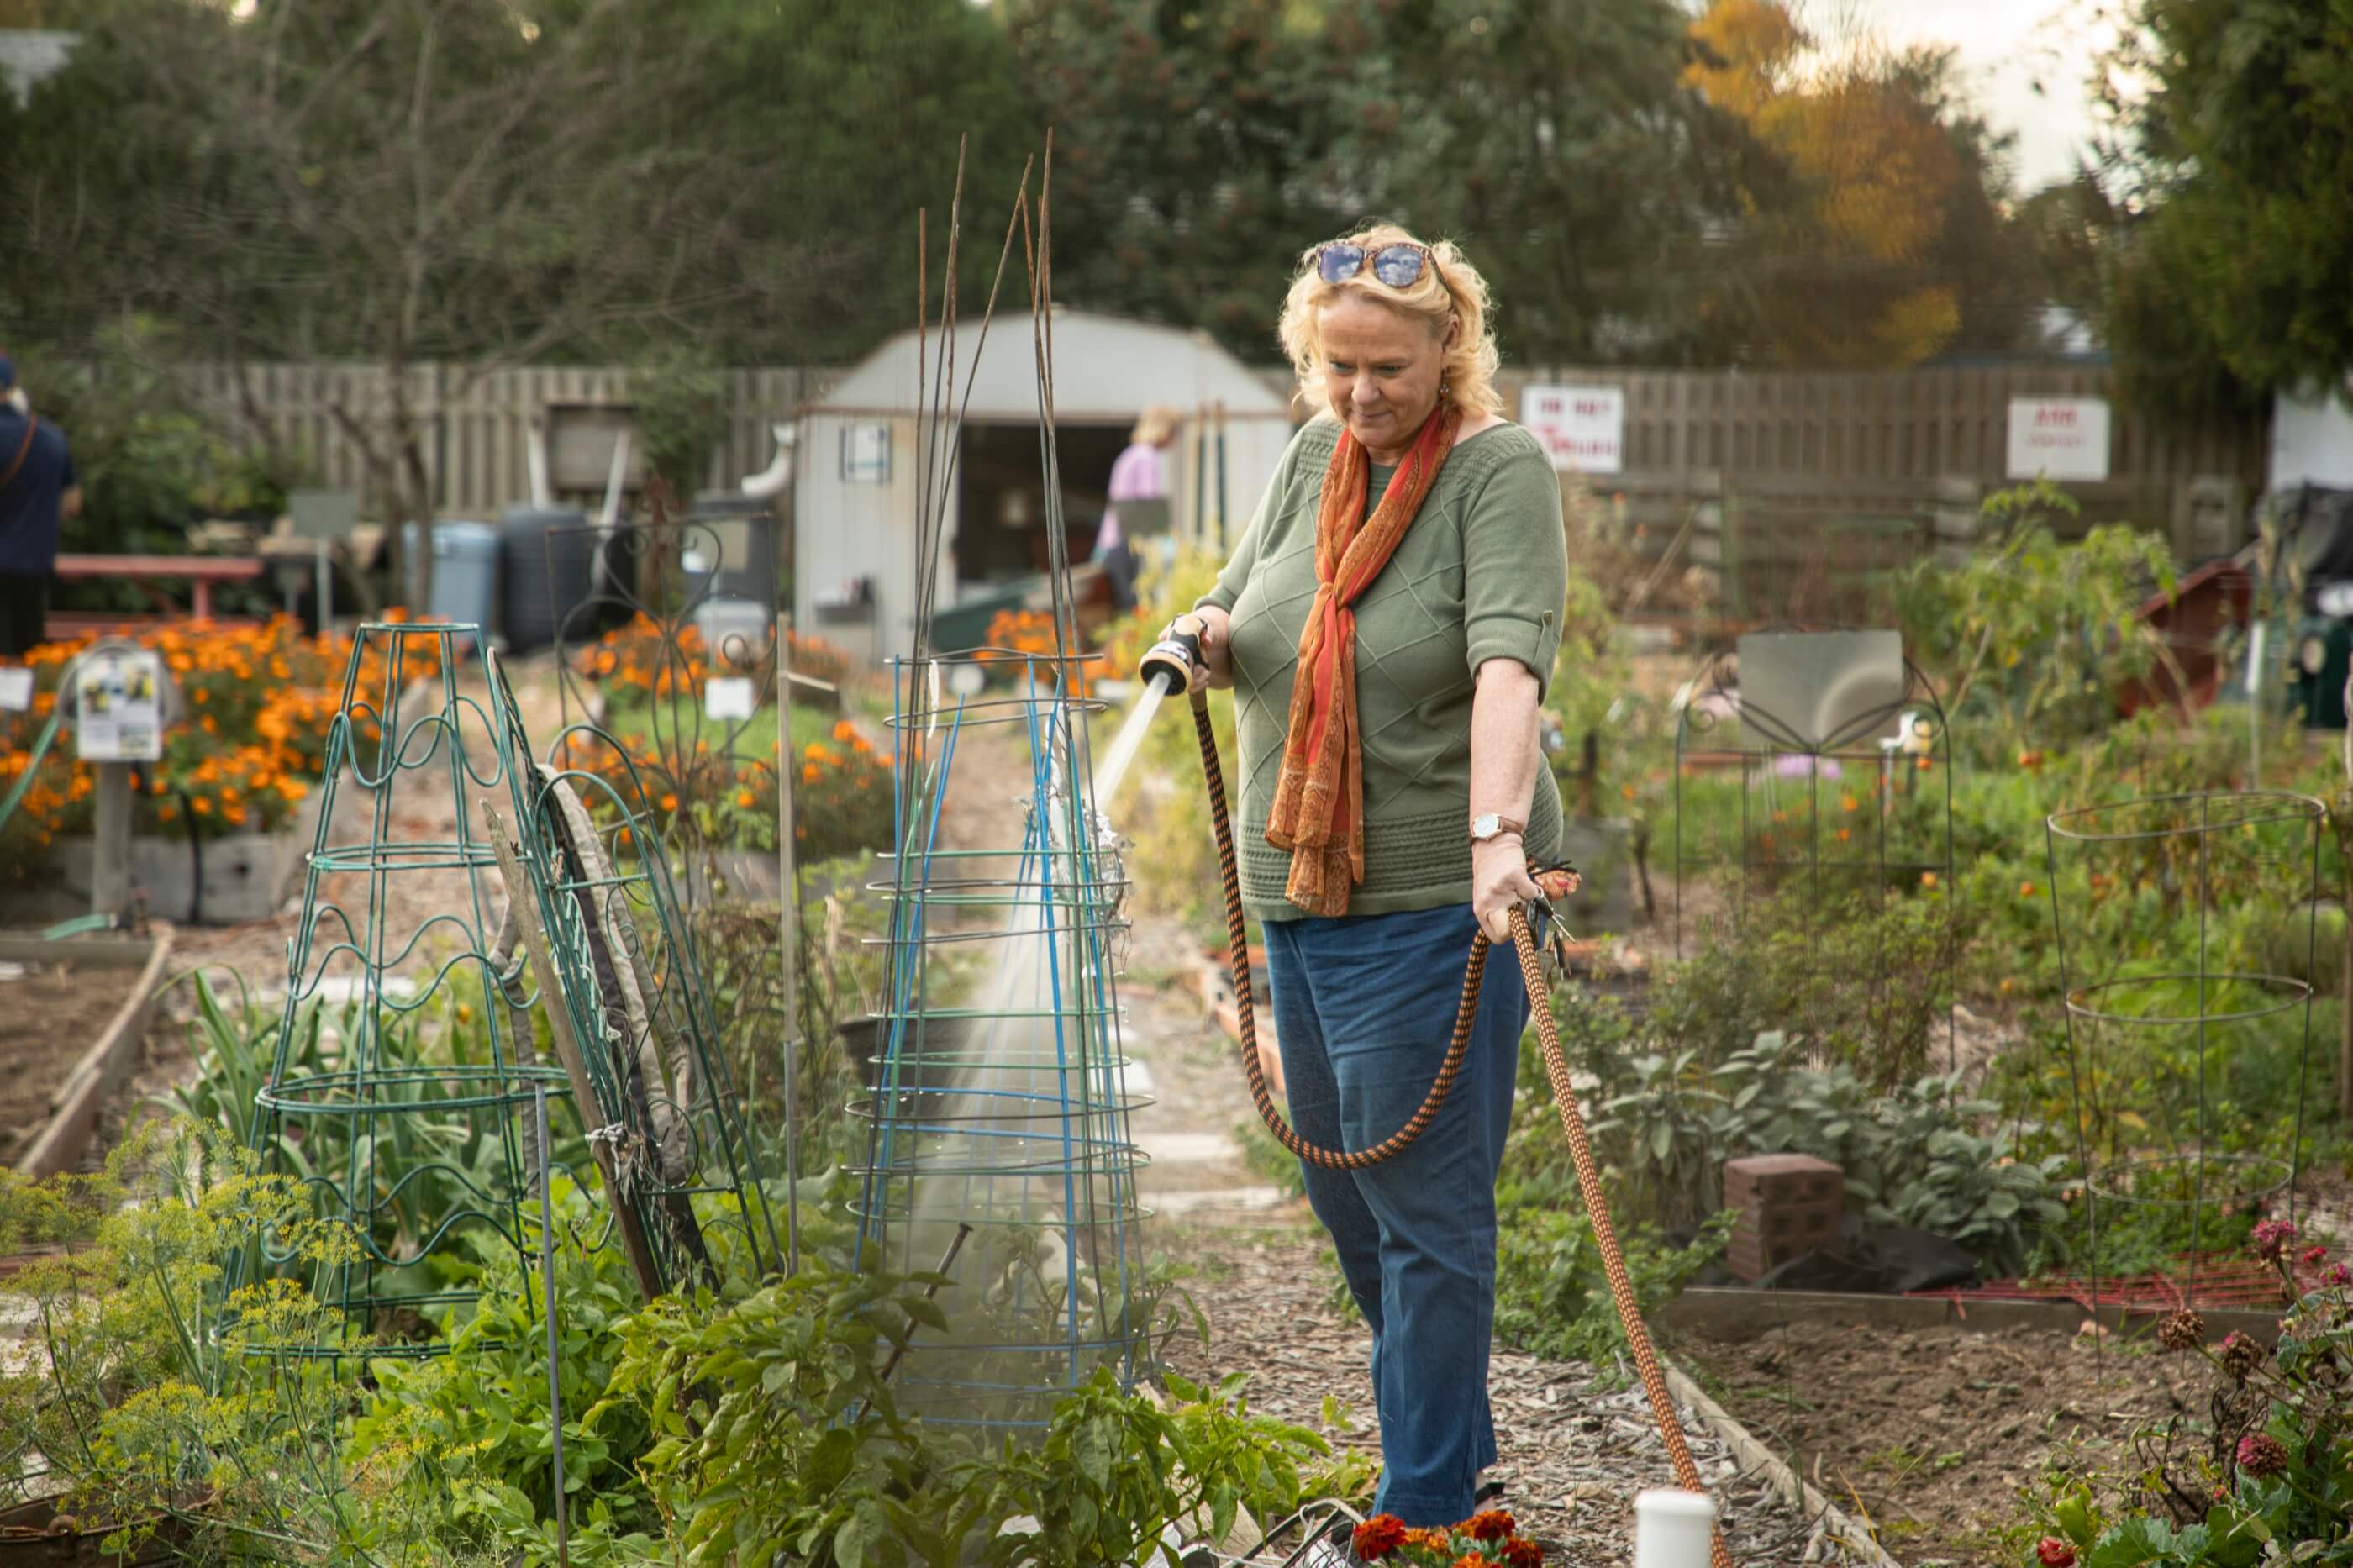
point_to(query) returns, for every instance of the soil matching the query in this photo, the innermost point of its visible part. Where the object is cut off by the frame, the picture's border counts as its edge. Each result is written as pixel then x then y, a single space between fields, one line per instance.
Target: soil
pixel 50 1014
pixel 1932 1432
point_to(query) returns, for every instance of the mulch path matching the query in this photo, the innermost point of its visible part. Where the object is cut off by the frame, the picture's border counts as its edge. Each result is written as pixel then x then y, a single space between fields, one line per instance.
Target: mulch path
pixel 1577 1443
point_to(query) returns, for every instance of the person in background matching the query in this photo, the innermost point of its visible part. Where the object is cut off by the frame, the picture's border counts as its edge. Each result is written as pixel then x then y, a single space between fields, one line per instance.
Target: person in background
pixel 1140 473
pixel 38 492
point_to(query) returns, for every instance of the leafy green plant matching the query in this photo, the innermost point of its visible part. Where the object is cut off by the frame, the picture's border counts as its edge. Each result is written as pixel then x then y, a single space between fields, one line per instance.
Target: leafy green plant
pixel 1552 1297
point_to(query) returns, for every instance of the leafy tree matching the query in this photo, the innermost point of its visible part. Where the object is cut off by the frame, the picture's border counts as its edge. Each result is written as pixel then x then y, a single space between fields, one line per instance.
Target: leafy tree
pixel 1196 152
pixel 2233 155
pixel 1883 243
pixel 1556 138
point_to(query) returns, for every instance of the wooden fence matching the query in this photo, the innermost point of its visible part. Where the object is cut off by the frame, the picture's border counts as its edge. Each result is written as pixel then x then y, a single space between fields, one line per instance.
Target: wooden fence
pixel 1812 471
pixel 479 424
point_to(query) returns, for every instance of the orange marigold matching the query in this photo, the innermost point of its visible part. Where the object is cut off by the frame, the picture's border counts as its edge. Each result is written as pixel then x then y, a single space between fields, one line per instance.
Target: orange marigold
pixel 1377 1537
pixel 1489 1524
pixel 1522 1553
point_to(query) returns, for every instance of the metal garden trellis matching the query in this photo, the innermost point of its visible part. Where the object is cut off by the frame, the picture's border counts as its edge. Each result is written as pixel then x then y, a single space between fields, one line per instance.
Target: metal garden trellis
pixel 1890 742
pixel 2180 848
pixel 998 1148
pixel 457 1129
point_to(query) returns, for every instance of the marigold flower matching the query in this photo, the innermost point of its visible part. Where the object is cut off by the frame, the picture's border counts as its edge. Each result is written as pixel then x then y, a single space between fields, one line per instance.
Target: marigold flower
pixel 1489 1524
pixel 2053 1553
pixel 2026 890
pixel 745 798
pixel 2261 1454
pixel 810 773
pixel 1521 1553
pixel 1377 1537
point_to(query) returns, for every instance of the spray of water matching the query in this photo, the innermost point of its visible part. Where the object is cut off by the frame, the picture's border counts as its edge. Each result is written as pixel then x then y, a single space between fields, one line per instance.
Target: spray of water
pixel 1131 736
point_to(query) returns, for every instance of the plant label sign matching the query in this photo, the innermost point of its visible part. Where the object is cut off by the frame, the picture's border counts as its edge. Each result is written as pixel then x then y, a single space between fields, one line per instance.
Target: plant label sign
pixel 728 697
pixel 2062 439
pixel 118 707
pixel 1584 427
pixel 16 689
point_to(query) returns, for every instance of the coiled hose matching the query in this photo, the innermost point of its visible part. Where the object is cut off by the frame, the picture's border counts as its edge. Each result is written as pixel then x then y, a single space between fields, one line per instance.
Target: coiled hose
pixel 1564 1097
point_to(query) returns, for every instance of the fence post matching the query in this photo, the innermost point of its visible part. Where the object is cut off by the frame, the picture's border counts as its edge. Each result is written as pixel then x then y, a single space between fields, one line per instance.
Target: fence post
pixel 1956 516
pixel 1710 521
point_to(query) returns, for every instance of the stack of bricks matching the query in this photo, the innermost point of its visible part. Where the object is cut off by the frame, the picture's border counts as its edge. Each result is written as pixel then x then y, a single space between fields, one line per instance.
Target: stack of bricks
pixel 1789 1205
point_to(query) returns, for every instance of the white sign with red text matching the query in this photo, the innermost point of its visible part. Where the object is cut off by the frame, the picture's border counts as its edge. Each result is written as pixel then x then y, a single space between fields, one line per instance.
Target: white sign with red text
pixel 2064 438
pixel 1584 427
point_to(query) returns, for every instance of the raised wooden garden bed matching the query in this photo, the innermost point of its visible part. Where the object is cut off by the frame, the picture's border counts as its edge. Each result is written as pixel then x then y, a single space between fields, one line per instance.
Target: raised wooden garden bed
pixel 70 1026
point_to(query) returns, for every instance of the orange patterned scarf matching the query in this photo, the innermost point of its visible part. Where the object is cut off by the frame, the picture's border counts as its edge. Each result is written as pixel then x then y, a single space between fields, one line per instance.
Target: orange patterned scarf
pixel 1319 797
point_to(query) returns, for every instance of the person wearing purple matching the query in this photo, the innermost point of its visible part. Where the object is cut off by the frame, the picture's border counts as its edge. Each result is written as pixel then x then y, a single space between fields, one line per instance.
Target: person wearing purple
pixel 38 491
pixel 1139 474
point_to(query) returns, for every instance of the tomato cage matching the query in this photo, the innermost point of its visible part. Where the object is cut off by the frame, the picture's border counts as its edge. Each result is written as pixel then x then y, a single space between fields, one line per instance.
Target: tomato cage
pixel 404 1086
pixel 998 1151
pixel 2186 927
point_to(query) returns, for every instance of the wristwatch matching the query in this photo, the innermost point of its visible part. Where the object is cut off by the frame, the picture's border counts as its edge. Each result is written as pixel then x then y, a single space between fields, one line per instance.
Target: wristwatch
pixel 1487 826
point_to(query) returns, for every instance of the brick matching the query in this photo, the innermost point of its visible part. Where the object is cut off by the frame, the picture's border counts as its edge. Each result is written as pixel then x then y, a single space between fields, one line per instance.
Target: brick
pixel 1789 1205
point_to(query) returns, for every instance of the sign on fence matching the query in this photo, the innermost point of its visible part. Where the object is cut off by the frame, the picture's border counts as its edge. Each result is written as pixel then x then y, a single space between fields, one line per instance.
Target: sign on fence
pixel 1584 427
pixel 2062 439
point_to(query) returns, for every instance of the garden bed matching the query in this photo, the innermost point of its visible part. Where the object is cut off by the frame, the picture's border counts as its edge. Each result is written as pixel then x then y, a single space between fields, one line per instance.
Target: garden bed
pixel 1932 1432
pixel 72 1016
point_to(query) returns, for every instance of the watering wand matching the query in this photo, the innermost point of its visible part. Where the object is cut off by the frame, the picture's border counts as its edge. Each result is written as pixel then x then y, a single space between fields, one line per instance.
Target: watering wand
pixel 1170 662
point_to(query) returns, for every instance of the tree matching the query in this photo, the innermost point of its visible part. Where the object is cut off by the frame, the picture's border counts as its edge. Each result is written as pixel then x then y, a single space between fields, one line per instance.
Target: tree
pixel 482 184
pixel 1882 242
pixel 1557 141
pixel 2231 158
pixel 1196 149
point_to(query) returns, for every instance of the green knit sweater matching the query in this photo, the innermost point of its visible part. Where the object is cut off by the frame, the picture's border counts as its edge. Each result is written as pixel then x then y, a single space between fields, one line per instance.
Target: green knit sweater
pixel 1482 573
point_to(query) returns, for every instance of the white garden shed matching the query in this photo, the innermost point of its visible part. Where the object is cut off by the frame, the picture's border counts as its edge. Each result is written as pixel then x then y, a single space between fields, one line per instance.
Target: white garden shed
pixel 859 469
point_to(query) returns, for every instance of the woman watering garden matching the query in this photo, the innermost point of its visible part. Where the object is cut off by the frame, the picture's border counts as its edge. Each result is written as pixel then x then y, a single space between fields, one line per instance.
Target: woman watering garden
pixel 1387 624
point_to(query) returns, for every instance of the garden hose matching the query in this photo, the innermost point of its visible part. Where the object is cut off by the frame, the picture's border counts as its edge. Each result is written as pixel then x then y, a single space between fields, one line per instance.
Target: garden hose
pixel 1563 1095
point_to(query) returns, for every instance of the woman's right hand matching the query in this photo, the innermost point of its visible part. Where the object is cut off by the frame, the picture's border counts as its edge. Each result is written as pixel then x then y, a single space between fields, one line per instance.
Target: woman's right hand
pixel 1214 669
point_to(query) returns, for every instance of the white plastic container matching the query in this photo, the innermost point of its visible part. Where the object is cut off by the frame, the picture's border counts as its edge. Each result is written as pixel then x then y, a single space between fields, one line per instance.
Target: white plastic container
pixel 1672 1529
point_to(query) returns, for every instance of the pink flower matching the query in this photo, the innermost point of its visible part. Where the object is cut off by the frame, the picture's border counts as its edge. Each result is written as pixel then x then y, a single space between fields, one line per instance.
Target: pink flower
pixel 2314 1256
pixel 2261 1454
pixel 2053 1553
pixel 2271 1238
pixel 2337 1274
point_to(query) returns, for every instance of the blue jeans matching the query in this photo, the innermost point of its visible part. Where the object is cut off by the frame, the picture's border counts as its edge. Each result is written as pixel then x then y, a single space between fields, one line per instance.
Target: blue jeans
pixel 1365 1008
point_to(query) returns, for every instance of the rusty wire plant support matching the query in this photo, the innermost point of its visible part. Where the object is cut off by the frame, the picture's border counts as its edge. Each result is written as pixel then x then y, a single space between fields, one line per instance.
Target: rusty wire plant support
pixel 2220 851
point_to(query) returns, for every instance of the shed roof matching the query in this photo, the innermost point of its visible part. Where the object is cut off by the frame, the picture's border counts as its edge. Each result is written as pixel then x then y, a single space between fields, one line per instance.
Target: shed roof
pixel 1106 367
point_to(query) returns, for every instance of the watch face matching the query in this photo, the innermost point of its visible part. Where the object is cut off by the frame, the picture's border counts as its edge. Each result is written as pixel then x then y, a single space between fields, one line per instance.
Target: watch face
pixel 1484 826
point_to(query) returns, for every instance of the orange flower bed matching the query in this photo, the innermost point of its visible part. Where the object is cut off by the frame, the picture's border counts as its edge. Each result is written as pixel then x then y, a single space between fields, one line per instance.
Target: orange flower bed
pixel 660 763
pixel 257 705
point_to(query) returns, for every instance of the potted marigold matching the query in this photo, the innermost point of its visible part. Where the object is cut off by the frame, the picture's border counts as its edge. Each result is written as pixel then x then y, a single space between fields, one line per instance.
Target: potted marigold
pixel 1490 1536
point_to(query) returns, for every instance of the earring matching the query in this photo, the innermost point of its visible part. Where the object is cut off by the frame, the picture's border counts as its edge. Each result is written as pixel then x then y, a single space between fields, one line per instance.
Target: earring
pixel 1443 386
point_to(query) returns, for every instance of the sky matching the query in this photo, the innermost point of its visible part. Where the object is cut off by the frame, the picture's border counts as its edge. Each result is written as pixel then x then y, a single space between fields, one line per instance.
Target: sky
pixel 2006 47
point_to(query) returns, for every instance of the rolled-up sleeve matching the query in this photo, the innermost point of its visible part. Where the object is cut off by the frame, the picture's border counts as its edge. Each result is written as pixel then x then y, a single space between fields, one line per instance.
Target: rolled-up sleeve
pixel 1515 568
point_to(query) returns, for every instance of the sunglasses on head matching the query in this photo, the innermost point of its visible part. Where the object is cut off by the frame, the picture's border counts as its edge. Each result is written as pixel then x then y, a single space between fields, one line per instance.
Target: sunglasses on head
pixel 1396 265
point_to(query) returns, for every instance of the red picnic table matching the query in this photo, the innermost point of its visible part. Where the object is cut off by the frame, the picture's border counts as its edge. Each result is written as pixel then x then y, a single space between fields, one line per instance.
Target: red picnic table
pixel 201 572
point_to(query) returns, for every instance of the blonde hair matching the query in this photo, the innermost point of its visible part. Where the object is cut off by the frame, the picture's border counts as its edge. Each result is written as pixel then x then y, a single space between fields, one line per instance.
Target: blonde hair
pixel 1155 425
pixel 1451 290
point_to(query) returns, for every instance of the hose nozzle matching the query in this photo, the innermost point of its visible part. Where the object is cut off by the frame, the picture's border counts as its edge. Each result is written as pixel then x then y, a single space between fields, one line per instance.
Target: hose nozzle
pixel 1169 663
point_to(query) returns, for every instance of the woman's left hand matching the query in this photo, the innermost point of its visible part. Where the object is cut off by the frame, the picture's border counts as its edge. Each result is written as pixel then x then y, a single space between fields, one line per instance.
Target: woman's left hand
pixel 1499 883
